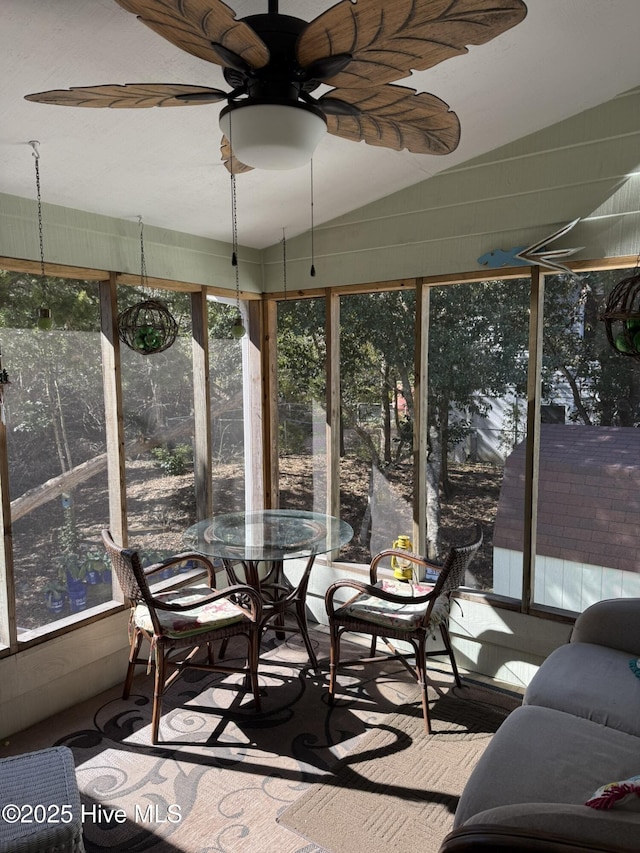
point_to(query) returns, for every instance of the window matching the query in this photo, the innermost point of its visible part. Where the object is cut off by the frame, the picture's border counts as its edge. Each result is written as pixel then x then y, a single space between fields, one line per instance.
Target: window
pixel 302 452
pixel 377 333
pixel 157 393
pixel 589 468
pixel 54 415
pixel 227 410
pixel 477 374
pixel 469 460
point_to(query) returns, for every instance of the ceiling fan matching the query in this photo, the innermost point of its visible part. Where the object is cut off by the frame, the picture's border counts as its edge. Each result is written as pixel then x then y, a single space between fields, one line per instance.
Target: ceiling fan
pixel 273 63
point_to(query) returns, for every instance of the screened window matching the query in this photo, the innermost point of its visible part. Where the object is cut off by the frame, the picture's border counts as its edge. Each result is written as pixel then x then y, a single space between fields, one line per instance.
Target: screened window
pixel 589 470
pixel 53 411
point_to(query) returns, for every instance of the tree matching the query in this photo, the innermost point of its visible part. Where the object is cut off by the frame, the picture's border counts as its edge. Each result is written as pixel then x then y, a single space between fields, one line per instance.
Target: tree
pixel 477 349
pixel 604 386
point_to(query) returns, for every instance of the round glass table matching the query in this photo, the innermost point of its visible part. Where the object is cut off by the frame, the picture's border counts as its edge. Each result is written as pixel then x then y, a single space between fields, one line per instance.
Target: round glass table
pixel 254 546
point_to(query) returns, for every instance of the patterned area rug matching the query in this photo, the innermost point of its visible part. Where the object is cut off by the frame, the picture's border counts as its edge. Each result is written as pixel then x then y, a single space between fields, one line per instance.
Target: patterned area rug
pixel 399 788
pixel 223 774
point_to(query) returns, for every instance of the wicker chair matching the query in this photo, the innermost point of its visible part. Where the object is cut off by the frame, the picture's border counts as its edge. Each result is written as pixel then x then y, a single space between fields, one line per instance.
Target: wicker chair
pixel 186 618
pixel 398 610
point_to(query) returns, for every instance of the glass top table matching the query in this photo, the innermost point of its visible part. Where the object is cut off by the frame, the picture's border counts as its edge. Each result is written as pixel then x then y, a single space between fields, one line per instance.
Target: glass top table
pixel 260 542
pixel 272 534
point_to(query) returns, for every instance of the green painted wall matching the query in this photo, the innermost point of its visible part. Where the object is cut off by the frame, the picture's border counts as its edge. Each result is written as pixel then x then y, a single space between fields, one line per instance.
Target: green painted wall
pixel 83 239
pixel 582 167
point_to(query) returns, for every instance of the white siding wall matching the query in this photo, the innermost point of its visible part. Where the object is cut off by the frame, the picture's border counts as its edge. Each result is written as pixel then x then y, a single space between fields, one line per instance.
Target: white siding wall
pixel 562 583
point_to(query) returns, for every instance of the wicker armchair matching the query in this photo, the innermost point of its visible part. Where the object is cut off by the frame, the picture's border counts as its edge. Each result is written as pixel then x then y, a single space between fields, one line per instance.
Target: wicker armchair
pixel 187 619
pixel 398 610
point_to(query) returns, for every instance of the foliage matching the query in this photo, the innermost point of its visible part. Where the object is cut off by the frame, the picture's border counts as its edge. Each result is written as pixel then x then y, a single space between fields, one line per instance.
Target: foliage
pixel 301 350
pixel 601 386
pixel 54 592
pixel 74 303
pixel 174 461
pixel 478 352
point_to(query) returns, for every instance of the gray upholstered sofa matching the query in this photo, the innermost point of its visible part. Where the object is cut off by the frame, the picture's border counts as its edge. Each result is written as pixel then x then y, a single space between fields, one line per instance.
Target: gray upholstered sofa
pixel 577 730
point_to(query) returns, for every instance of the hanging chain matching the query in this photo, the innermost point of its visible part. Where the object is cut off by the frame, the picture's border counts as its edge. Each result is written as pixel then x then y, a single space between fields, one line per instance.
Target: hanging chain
pixel 312 271
pixel 143 262
pixel 234 238
pixel 234 217
pixel 36 155
pixel 284 264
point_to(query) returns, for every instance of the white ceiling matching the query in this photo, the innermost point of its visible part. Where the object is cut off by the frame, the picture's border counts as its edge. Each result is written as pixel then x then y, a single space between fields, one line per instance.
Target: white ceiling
pixel 164 164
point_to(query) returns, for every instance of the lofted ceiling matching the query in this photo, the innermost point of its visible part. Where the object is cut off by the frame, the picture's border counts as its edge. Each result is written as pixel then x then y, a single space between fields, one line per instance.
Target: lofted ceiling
pixel 164 164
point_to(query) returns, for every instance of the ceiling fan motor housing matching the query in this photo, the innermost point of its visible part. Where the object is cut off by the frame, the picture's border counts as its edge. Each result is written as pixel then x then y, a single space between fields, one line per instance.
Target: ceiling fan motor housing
pixel 282 77
pixel 272 128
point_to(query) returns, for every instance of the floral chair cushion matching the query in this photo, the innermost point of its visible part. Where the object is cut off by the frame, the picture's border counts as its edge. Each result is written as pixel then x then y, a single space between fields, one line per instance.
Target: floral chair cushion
pixel 391 614
pixel 206 617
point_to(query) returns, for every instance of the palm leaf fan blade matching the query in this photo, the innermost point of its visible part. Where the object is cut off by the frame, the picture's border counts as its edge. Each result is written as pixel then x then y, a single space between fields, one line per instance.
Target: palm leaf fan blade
pixel 129 96
pixel 395 117
pixel 193 25
pixel 231 162
pixel 388 41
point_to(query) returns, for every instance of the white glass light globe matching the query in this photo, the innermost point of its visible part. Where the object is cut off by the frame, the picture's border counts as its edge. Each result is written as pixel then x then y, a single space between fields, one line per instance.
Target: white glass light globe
pixel 273 136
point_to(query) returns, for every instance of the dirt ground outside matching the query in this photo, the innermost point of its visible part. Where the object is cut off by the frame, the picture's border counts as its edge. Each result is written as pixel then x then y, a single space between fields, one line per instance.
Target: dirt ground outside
pixel 161 507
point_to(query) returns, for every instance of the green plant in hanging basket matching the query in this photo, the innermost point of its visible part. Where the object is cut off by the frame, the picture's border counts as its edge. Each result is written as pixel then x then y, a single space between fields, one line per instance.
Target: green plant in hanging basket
pixel 238 330
pixel 147 327
pixel 621 316
pixel 147 339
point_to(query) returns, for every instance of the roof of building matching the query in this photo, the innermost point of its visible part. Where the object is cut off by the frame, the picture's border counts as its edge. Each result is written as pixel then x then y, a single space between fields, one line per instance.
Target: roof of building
pixel 588 496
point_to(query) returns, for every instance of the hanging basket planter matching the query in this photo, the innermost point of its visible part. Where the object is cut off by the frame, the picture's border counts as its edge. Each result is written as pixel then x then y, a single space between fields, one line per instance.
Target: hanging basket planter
pixel 621 316
pixel 147 327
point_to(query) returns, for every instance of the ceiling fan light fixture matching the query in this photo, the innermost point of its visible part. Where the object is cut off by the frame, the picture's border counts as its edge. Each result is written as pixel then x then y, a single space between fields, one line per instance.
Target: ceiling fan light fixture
pixel 274 134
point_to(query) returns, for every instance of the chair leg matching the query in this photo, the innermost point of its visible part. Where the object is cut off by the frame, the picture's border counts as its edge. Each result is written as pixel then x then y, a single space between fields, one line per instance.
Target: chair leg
pixel 374 643
pixel 136 643
pixel 421 672
pixel 223 649
pixel 158 690
pixel 334 659
pixel 447 643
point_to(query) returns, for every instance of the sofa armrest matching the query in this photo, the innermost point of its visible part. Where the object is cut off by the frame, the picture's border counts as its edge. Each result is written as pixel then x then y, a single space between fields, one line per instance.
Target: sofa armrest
pixel 468 839
pixel 562 827
pixel 614 623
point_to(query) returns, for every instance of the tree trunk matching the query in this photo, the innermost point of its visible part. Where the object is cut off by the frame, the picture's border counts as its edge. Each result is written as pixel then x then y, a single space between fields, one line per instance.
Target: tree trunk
pixel 63 427
pixel 364 536
pixel 55 426
pixel 443 418
pixel 575 393
pixel 433 509
pixel 386 415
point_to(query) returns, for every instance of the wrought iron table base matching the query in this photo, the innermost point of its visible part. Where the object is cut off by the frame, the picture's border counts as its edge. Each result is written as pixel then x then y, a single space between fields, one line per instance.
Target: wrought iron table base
pixel 279 597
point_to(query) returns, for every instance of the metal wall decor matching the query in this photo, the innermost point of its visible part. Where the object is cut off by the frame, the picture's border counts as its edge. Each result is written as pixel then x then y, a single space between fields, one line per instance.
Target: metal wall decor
pixel 148 326
pixel 538 254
